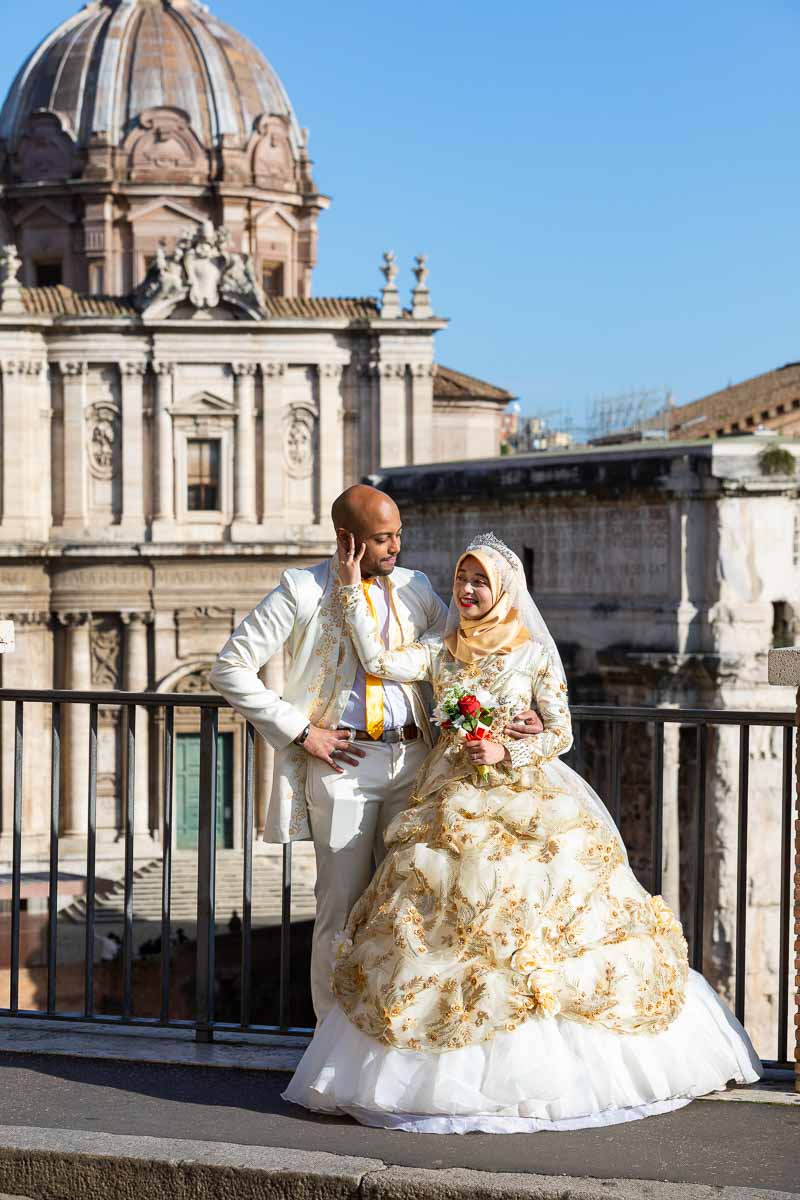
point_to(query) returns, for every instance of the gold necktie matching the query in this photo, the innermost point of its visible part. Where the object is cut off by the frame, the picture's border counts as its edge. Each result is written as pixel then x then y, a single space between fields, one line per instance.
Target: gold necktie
pixel 374 694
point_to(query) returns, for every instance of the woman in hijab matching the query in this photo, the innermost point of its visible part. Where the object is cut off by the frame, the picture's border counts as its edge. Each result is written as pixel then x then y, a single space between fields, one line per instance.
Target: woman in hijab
pixel 504 971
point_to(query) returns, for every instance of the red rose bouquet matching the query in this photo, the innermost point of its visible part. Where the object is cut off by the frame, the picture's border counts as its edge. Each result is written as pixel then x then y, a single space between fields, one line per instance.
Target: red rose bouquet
pixel 468 713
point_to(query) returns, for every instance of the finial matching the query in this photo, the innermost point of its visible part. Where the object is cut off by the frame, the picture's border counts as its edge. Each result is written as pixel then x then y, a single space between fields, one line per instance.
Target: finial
pixel 420 296
pixel 390 297
pixel 10 290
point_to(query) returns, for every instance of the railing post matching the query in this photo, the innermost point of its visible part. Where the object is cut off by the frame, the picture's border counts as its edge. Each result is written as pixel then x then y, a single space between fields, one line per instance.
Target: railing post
pixel 206 875
pixel 784 671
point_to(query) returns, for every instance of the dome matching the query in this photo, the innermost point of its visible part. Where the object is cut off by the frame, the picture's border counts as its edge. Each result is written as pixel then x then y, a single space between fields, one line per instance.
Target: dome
pixel 104 70
pixel 119 130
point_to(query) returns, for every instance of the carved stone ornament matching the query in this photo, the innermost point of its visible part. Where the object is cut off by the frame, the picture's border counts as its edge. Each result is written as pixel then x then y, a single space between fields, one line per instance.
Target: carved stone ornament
pixel 106 652
pixel 299 444
pixel 390 297
pixel 102 421
pixel 26 619
pixel 203 270
pixel 271 155
pixel 10 288
pixel 163 147
pixel 45 150
pixel 195 682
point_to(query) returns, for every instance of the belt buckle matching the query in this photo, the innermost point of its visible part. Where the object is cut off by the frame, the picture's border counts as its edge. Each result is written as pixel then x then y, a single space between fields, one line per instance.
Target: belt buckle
pixel 392 736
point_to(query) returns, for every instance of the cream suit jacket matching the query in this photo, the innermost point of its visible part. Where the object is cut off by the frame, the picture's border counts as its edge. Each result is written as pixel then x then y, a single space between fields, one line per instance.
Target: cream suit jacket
pixel 305 614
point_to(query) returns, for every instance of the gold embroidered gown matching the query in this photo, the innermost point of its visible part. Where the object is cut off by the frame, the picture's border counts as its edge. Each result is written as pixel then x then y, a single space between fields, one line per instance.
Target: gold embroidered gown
pixel 504 970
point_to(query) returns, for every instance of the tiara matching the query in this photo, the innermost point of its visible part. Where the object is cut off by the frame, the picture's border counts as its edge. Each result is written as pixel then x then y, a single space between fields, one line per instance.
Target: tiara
pixel 493 543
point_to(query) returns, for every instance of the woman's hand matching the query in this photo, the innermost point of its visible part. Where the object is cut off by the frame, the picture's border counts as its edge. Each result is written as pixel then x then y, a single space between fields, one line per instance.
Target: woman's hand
pixel 524 724
pixel 484 752
pixel 349 559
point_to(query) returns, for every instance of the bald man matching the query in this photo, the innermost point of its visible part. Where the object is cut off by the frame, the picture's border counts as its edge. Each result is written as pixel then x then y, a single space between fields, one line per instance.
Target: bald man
pixel 347 746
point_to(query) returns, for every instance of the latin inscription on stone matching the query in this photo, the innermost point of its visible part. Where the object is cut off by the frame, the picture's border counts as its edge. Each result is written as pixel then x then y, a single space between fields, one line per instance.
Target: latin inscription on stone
pixel 604 550
pixel 601 551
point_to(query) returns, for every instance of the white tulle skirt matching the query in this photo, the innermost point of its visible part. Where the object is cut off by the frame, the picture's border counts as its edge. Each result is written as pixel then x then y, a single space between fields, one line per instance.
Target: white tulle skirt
pixel 548 1074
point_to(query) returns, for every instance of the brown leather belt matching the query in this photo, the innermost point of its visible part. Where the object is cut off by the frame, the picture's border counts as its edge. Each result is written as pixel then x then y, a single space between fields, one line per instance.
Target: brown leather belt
pixel 409 733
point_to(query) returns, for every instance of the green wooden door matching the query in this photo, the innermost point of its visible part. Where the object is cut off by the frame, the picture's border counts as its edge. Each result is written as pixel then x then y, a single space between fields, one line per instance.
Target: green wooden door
pixel 187 790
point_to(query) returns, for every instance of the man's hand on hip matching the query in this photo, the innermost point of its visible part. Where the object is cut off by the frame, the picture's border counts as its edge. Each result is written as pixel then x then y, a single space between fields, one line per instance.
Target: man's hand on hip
pixel 333 746
pixel 525 724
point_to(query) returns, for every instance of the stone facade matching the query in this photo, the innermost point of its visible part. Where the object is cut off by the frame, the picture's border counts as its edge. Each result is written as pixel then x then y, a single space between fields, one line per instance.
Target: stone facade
pixel 177 411
pixel 665 575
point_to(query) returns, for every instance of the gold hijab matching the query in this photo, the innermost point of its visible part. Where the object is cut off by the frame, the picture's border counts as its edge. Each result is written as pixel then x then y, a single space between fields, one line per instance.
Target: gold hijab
pixel 499 631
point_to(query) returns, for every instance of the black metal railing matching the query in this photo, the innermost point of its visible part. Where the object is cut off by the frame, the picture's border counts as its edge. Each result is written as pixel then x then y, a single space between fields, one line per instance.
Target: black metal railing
pixel 606 757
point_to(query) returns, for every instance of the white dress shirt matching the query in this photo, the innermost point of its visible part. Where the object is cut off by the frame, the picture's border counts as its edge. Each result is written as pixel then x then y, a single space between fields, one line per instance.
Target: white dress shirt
pixel 396 708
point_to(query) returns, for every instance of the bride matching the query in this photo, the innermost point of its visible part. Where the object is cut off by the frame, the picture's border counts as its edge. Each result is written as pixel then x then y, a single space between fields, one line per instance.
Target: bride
pixel 504 971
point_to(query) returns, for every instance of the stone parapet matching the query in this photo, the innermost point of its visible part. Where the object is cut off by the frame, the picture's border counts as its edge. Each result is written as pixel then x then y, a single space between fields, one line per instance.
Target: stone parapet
pixel 784 670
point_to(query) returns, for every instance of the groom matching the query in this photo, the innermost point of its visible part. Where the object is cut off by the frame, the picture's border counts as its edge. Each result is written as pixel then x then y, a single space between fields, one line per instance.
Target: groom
pixel 347 745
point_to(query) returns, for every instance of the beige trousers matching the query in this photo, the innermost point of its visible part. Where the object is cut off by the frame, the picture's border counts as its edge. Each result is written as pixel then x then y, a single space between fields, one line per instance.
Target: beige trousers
pixel 349 814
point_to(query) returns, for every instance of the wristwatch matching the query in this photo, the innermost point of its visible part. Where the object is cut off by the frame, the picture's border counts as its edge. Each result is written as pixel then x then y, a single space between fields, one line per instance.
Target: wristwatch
pixel 301 737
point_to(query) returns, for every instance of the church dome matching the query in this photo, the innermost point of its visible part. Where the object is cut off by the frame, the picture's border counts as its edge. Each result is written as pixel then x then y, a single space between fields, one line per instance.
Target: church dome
pixel 101 77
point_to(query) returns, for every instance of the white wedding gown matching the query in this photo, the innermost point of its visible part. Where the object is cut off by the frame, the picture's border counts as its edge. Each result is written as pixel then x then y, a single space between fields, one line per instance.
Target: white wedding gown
pixel 505 971
pixel 548 1074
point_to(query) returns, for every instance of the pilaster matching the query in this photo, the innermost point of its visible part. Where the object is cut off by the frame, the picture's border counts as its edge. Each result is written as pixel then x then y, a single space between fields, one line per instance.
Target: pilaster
pixel 164 489
pixel 421 415
pixel 73 375
pixel 393 449
pixel 330 457
pixel 244 476
pixel 137 679
pixel 75 745
pixel 272 417
pixel 132 388
pixel 25 468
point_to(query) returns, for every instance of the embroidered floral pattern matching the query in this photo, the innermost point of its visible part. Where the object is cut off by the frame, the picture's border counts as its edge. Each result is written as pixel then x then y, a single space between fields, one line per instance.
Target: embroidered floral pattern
pixel 503 900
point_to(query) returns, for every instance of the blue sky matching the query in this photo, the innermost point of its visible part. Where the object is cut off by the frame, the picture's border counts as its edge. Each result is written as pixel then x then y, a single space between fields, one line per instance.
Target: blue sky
pixel 608 192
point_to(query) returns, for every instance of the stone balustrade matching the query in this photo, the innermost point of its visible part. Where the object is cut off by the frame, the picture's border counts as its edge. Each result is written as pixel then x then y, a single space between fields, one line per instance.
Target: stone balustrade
pixel 784 671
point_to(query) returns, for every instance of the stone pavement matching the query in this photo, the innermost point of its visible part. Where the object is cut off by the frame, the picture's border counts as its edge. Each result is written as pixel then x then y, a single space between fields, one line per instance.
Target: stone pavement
pixel 73 1126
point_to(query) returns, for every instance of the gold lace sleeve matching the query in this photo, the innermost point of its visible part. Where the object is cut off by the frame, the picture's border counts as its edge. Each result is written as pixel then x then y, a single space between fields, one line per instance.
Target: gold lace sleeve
pixel 408 664
pixel 550 700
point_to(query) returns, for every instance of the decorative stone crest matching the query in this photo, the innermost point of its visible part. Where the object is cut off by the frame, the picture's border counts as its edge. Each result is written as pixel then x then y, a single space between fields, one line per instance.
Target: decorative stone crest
pixel 299 441
pixel 102 420
pixel 203 270
pixel 10 289
pixel 163 146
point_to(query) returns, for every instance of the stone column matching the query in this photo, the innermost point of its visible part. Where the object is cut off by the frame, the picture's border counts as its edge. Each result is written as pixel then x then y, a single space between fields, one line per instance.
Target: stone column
pixel 132 380
pixel 137 677
pixel 26 470
pixel 330 460
pixel 670 853
pixel 245 461
pixel 392 419
pixel 75 466
pixel 421 415
pixel 75 743
pixel 784 671
pixel 164 497
pixel 272 442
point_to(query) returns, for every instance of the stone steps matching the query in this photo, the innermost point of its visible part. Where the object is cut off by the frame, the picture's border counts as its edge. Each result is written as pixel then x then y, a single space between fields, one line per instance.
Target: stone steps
pixel 266 890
